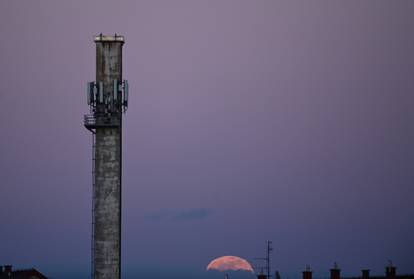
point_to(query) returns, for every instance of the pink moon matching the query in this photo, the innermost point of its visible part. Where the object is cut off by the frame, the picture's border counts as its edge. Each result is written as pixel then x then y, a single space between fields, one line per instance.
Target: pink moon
pixel 229 263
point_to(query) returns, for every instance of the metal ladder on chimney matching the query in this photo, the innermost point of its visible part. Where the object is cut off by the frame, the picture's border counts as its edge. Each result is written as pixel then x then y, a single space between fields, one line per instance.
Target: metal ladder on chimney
pixel 93 208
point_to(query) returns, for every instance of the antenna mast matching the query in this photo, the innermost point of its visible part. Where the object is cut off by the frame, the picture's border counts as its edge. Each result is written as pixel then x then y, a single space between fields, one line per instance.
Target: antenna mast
pixel 267 258
pixel 269 249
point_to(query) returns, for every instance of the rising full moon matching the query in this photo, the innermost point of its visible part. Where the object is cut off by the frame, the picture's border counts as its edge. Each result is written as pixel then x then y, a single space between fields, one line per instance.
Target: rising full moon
pixel 229 263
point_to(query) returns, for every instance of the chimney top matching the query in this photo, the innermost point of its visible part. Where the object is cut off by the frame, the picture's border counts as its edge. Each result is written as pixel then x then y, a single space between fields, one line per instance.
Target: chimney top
pixel 109 38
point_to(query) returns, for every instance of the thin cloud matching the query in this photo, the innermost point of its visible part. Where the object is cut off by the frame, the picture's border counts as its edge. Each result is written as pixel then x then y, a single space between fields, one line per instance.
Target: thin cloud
pixel 157 216
pixel 179 215
pixel 193 214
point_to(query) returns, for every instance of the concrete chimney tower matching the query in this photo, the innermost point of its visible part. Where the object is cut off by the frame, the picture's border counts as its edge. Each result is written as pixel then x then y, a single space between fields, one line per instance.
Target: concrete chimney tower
pixel 108 100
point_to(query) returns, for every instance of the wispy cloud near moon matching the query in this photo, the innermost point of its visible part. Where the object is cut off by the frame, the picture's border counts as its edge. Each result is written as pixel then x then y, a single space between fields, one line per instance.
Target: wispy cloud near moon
pixel 179 215
pixel 193 214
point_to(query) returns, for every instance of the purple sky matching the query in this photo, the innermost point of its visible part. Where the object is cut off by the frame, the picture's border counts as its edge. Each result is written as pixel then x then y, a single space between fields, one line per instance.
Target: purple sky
pixel 248 121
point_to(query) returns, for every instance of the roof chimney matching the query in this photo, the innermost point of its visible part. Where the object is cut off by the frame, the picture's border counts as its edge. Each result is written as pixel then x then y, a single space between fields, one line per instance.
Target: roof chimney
pixel 7 268
pixel 390 271
pixel 335 272
pixel 307 274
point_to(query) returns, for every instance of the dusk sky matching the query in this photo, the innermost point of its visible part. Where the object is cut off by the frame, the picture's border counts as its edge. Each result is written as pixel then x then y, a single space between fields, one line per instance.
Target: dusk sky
pixel 248 121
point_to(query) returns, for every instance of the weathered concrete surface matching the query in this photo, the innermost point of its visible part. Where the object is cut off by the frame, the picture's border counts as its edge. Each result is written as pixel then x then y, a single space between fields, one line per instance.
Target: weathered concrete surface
pixel 107 207
pixel 107 203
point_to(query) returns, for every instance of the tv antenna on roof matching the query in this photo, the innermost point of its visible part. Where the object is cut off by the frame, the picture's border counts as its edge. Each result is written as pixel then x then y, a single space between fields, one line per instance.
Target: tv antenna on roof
pixel 267 258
